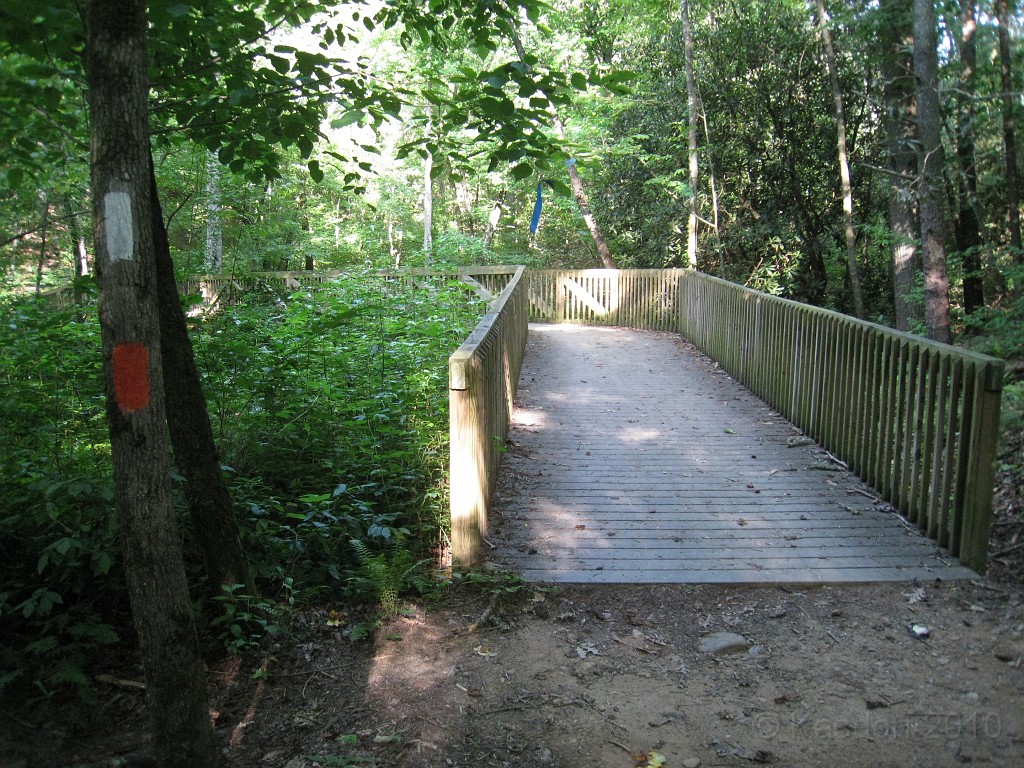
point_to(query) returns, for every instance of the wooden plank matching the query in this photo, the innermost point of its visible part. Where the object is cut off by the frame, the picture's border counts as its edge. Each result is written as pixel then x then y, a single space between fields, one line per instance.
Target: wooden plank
pixel 634 459
pixel 749 576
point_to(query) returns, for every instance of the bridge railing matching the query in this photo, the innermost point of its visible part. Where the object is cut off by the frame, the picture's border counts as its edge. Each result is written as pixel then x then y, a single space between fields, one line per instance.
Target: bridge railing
pixel 483 374
pixel 917 420
pixel 635 298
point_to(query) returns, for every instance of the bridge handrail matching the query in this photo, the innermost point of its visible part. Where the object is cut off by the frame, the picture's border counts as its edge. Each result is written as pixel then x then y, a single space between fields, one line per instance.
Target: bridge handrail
pixel 483 374
pixel 916 419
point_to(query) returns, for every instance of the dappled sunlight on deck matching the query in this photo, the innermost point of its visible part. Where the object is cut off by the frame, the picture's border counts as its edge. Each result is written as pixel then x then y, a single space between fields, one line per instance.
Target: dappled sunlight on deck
pixel 633 459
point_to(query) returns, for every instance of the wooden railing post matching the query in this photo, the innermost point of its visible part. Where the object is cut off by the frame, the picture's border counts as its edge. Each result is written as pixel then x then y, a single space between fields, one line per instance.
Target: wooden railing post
pixel 482 377
pixel 981 468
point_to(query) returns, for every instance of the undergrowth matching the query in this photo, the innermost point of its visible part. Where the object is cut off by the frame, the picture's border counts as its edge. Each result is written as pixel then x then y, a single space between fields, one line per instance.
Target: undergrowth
pixel 331 411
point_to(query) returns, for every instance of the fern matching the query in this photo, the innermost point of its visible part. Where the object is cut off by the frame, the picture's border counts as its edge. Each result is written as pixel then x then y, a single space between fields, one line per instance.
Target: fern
pixel 385 574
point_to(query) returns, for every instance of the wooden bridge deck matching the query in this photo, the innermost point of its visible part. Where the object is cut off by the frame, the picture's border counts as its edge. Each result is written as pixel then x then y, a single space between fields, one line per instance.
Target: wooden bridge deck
pixel 634 459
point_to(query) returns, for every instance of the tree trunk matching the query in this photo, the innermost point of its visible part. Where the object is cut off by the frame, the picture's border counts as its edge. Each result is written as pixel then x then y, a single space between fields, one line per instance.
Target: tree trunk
pixel 428 197
pixel 78 250
pixel 1002 9
pixel 44 220
pixel 494 218
pixel 712 186
pixel 428 203
pixel 691 134
pixel 117 64
pixel 396 253
pixel 195 451
pixel 214 230
pixel 931 165
pixel 852 267
pixel 603 251
pixel 899 118
pixel 968 228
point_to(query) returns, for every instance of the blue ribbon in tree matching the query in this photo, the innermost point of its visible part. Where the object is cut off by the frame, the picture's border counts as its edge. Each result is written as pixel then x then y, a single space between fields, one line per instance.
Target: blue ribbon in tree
pixel 535 221
pixel 539 205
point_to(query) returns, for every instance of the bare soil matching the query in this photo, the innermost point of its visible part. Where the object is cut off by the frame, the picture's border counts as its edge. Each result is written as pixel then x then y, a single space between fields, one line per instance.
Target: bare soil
pixel 615 676
pixel 912 674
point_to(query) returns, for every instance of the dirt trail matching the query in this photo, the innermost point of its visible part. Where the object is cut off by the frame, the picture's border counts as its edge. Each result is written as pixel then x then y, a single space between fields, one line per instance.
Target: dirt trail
pixel 611 676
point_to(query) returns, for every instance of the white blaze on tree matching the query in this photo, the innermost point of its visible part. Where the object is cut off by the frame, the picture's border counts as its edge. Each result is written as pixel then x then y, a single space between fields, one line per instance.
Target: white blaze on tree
pixel 120 236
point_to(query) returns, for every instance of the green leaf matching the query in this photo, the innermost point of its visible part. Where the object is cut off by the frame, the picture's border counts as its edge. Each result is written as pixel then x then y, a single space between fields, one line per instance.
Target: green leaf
pixel 522 171
pixel 578 80
pixel 281 64
pixel 350 117
pixel 15 176
pixel 315 172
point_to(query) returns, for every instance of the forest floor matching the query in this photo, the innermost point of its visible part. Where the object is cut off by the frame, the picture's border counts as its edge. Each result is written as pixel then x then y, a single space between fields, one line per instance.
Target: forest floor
pixel 516 675
pixel 508 674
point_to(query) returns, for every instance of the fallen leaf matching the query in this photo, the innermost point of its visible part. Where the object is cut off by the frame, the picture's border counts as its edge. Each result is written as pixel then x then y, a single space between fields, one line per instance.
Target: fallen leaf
pixel 587 649
pixel 916 596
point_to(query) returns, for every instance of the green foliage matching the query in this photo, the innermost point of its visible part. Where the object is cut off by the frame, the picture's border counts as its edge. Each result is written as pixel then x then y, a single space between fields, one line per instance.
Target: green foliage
pixel 491 582
pixel 331 408
pixel 387 569
pixel 999 330
pixel 1012 413
pixel 331 412
pixel 246 620
pixel 62 590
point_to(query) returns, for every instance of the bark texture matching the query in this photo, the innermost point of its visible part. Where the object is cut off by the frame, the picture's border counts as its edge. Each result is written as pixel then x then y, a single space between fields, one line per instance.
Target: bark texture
pixel 852 267
pixel 691 134
pixel 1002 9
pixel 175 678
pixel 900 118
pixel 931 166
pixel 968 228
pixel 195 451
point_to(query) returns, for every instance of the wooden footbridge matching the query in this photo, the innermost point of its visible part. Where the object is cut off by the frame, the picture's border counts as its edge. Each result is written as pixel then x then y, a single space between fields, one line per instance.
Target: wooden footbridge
pixel 674 428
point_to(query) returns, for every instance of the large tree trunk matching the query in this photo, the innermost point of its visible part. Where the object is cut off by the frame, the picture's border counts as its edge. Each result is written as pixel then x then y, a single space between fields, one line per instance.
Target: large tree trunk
pixel 175 681
pixel 899 119
pixel 195 451
pixel 852 267
pixel 691 134
pixel 931 166
pixel 1002 9
pixel 968 228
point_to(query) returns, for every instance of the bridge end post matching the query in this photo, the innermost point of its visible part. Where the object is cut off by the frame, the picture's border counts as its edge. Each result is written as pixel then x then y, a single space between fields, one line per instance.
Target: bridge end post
pixel 468 482
pixel 977 526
